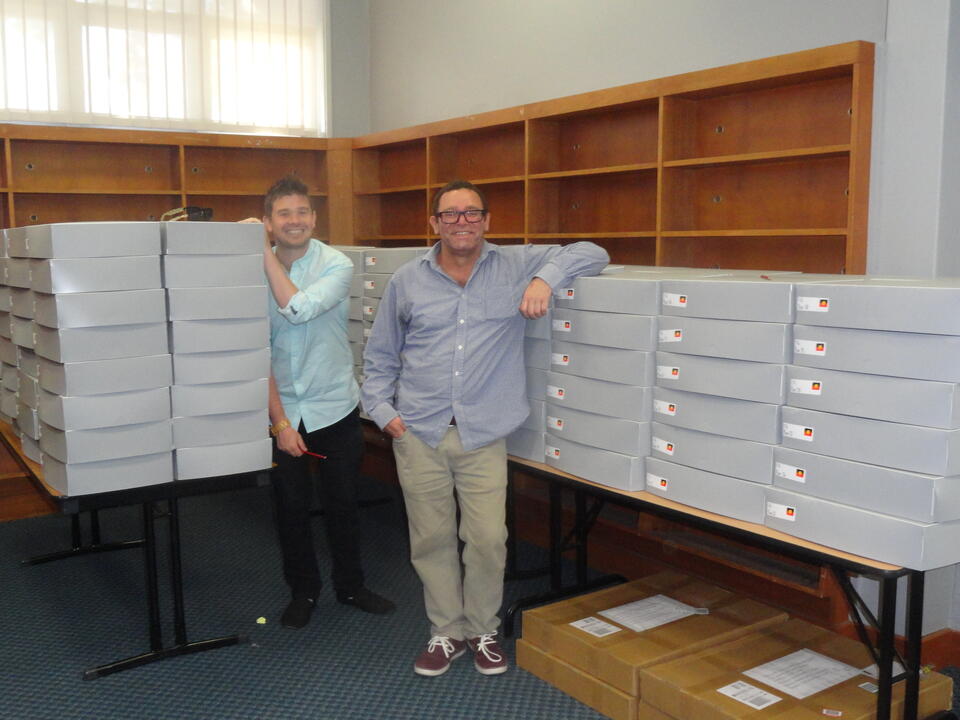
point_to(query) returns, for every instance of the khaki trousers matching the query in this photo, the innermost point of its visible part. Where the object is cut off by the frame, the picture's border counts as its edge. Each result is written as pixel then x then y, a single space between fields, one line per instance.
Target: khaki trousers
pixel 459 604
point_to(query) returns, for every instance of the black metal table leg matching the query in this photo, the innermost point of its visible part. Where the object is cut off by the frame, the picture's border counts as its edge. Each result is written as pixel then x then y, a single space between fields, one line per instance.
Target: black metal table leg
pixel 885 648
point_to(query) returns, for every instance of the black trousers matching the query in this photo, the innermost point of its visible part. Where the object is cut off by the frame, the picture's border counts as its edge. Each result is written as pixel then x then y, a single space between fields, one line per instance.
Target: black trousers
pixel 293 492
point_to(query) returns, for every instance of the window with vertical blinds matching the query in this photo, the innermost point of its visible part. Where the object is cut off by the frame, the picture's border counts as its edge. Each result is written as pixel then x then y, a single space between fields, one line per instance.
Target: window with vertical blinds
pixel 251 66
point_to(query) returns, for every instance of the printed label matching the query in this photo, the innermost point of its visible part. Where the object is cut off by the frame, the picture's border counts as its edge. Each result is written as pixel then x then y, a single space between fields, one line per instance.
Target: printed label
pixel 798 432
pixel 790 472
pixel 810 347
pixel 551 452
pixel 666 372
pixel 674 300
pixel 749 695
pixel 813 304
pixel 568 293
pixel 554 422
pixel 805 387
pixel 664 407
pixel 779 511
pixel 367 310
pixel 555 392
pixel 829 712
pixel 674 335
pixel 655 482
pixel 369 284
pixel 664 446
pixel 562 325
pixel 595 626
pixel 559 359
pixel 370 260
pixel 869 687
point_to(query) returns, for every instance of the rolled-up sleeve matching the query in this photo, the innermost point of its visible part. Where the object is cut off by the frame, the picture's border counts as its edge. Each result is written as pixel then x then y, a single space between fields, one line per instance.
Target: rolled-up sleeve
pixel 559 266
pixel 322 294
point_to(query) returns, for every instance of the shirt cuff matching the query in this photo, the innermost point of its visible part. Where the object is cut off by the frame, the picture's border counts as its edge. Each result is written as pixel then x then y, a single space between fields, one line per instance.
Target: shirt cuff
pixel 293 308
pixel 382 414
pixel 552 276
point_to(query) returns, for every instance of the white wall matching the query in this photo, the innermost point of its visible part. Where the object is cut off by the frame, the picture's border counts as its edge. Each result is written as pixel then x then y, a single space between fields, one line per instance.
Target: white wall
pixel 349 67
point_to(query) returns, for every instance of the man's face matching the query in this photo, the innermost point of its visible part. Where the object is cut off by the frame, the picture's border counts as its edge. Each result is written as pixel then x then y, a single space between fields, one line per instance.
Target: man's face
pixel 461 237
pixel 291 222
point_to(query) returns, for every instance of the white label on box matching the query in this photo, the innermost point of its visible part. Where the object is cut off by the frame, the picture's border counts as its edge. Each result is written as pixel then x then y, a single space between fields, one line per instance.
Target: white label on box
pixel 559 359
pixel 554 422
pixel 367 332
pixel 671 335
pixel 805 387
pixel 781 512
pixel 568 293
pixel 802 673
pixel 674 300
pixel 665 408
pixel 550 451
pixel 869 687
pixel 562 325
pixel 655 482
pixel 749 695
pixel 649 613
pixel 661 445
pixel 369 284
pixel 830 712
pixel 790 472
pixel 798 432
pixel 810 347
pixel 367 310
pixel 371 260
pixel 555 392
pixel 813 304
pixel 666 372
pixel 596 627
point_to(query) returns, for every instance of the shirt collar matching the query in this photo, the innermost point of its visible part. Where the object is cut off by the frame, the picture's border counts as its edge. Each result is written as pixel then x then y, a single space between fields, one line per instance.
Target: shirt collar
pixel 313 247
pixel 431 255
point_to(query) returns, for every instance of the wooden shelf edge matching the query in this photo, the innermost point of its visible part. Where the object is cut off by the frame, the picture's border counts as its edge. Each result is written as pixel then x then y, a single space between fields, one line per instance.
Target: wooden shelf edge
pixel 768 156
pixel 95 191
pixel 390 191
pixel 587 236
pixel 765 232
pixel 238 193
pixel 485 181
pixel 611 170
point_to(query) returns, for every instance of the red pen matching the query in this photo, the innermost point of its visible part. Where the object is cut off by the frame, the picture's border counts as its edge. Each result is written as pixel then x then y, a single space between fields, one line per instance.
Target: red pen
pixel 316 455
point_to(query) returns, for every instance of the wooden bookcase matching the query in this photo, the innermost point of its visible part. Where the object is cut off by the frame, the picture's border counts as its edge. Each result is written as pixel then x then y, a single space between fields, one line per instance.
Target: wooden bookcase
pixel 763 164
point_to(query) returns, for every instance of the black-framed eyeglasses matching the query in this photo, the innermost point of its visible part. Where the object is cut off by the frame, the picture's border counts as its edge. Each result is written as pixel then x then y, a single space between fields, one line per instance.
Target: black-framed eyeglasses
pixel 451 217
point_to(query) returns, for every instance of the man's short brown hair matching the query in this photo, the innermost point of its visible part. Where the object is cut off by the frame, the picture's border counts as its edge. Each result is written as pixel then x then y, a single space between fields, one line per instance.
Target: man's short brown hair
pixel 457 185
pixel 287 185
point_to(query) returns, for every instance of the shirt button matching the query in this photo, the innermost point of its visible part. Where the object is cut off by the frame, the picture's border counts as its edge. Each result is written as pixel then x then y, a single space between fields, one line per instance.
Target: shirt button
pixel 457 372
pixel 459 347
pixel 461 321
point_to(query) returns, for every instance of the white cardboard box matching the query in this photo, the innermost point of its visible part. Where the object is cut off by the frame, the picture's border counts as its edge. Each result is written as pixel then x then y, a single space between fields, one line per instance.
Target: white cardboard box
pixel 217 460
pixel 526 443
pixel 609 468
pixel 219 367
pixel 101 343
pixel 108 475
pixel 190 336
pixel 733 339
pixel 221 429
pixel 632 402
pixel 94 377
pixel 742 419
pixel 72 275
pixel 620 330
pixel 720 454
pixel 93 239
pixel 742 379
pixel 217 303
pixel 217 398
pixel 22 301
pixel 80 446
pixel 82 412
pixel 721 494
pixel 212 238
pixel 192 271
pixel 630 367
pixel 122 307
pixel 628 437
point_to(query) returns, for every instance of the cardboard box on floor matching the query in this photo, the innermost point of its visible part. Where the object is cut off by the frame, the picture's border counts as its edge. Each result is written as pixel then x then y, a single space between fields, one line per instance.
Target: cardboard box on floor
pixel 617 658
pixel 688 687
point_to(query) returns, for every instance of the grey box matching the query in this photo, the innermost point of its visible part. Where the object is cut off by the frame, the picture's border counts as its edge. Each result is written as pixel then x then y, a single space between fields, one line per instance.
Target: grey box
pixel 193 271
pixel 729 298
pixel 733 339
pixel 212 238
pixel 900 354
pixel 742 419
pixel 215 398
pixel 10 352
pixel 28 389
pixel 94 239
pixel 356 286
pixel 101 343
pixel 600 466
pixel 355 331
pixel 536 383
pixel 31 449
pixel 108 475
pixel 6 298
pixel 80 446
pixel 902 400
pixel 536 353
pixel 29 362
pixel 631 332
pixel 83 412
pixel 734 457
pixel 215 460
pixel 631 402
pixel 896 304
pixel 73 275
pixel 189 336
pixel 5 324
pixel 539 327
pixel 19 273
pixel 11 381
pixel 617 293
pixel 919 546
pixel 27 421
pixel 357 350
pixel 226 366
pixel 122 307
pixel 22 302
pixel 95 377
pixel 757 381
pixel 374 284
pixel 526 443
pixel 629 437
pixel 727 496
pixel 4 269
pixel 355 311
pixel 23 332
pixel 220 429
pixel 537 417
pixel 368 307
pixel 8 400
pixel 915 496
pixel 218 303
pixel 896 445
pixel 356 254
pixel 15 242
pixel 631 367
pixel 389 260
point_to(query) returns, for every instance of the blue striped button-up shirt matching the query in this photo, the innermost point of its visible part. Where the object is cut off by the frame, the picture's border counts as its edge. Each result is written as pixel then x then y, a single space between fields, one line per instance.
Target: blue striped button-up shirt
pixel 439 350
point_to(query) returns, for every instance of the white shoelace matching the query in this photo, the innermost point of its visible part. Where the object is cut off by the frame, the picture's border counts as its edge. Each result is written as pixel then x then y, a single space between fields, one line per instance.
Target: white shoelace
pixel 483 643
pixel 443 643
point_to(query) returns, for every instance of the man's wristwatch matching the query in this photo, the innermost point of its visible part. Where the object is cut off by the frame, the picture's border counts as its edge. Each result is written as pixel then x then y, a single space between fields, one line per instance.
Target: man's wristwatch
pixel 279 427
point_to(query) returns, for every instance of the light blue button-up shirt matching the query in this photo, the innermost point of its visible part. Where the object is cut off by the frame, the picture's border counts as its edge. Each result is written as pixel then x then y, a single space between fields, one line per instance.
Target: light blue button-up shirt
pixel 439 350
pixel 312 361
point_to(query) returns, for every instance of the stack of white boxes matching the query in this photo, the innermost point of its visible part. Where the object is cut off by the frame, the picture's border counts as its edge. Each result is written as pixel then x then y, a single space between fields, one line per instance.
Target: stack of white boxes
pixel 23 405
pixel 103 396
pixel 9 353
pixel 220 340
pixel 527 441
pixel 871 435
pixel 600 384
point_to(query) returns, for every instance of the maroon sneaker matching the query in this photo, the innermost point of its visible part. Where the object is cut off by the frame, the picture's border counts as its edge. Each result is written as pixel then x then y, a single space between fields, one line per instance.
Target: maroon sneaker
pixel 488 658
pixel 440 652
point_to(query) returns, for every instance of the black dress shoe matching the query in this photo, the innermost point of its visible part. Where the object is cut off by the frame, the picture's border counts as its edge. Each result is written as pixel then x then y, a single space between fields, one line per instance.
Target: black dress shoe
pixel 367 601
pixel 298 611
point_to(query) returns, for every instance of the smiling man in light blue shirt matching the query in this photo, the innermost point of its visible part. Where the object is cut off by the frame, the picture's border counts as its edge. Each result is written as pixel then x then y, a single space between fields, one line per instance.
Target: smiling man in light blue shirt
pixel 313 403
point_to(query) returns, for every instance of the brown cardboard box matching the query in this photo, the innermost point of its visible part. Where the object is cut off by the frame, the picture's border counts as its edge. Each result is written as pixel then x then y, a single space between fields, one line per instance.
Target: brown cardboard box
pixel 688 687
pixel 617 658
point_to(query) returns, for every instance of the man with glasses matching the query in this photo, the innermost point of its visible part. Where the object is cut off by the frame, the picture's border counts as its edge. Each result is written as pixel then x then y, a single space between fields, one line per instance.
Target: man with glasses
pixel 444 377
